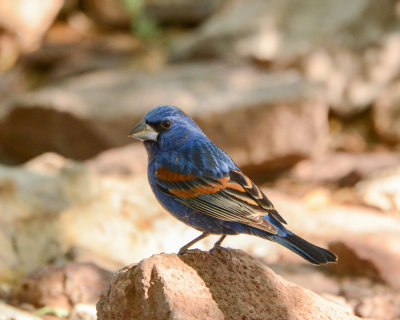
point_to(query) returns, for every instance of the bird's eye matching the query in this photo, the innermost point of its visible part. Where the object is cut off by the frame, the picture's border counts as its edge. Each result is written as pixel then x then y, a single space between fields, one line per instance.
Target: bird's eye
pixel 166 124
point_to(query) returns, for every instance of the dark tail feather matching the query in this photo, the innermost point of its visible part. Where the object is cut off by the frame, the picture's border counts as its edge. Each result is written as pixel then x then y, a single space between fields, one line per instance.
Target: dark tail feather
pixel 305 249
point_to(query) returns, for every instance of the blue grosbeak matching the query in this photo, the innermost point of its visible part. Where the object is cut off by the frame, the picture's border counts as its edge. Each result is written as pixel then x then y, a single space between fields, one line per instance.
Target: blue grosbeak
pixel 201 185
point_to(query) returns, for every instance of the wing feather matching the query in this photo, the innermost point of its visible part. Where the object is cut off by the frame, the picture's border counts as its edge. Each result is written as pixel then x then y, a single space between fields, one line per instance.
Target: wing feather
pixel 231 198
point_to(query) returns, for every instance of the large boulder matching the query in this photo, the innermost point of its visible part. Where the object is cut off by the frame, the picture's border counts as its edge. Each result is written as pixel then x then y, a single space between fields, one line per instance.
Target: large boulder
pixel 222 284
pixel 256 116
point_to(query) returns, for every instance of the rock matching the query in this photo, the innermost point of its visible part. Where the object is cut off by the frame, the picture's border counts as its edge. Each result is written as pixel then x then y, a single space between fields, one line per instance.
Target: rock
pixel 108 12
pixel 160 287
pixel 63 287
pixel 181 11
pixel 381 307
pixel 285 30
pixel 120 14
pixel 382 190
pixel 28 19
pixel 371 300
pixel 350 51
pixel 90 113
pixel 386 113
pixel 375 256
pixel 83 311
pixel 222 284
pixel 123 161
pixel 353 79
pixel 10 313
pixel 308 277
pixel 343 168
pixel 47 205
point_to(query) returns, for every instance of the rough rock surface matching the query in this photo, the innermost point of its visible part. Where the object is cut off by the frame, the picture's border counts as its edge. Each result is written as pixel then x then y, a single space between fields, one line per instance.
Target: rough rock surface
pixel 227 284
pixel 63 287
pixel 80 117
pixel 161 287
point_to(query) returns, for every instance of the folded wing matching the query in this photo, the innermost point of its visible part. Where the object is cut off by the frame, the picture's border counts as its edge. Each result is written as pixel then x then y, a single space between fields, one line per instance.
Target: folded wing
pixel 233 197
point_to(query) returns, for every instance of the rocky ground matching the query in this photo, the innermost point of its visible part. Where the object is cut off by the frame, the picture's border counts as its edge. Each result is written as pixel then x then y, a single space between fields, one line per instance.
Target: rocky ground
pixel 302 94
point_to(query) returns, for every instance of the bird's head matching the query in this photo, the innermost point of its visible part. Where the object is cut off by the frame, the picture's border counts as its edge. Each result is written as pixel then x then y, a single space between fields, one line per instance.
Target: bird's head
pixel 166 127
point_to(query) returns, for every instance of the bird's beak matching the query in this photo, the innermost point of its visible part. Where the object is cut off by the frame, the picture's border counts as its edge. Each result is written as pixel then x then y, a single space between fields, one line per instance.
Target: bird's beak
pixel 144 132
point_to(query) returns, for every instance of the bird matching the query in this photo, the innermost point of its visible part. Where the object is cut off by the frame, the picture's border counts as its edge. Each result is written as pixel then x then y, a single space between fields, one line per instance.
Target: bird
pixel 199 184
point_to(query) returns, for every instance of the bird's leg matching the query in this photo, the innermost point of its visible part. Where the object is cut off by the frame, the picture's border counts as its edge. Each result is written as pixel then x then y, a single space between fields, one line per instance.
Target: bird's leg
pixel 188 245
pixel 218 243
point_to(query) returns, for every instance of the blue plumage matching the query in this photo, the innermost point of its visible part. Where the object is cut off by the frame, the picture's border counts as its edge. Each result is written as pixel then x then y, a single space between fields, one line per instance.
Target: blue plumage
pixel 201 185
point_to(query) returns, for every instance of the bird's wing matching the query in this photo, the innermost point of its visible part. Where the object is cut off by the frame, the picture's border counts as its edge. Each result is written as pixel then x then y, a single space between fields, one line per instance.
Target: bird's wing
pixel 233 197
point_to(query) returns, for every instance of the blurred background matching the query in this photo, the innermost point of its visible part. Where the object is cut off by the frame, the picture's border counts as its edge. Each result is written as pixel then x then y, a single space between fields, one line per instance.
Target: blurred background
pixel 304 96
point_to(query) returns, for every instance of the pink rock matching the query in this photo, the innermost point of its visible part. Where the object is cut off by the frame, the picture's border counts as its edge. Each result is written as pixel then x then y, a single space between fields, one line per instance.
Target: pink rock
pixel 222 284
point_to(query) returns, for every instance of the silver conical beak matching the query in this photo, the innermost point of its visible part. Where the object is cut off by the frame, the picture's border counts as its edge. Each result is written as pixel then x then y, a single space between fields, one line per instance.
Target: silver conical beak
pixel 144 132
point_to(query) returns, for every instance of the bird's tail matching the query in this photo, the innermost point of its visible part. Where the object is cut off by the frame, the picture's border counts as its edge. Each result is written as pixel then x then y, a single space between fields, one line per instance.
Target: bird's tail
pixel 305 249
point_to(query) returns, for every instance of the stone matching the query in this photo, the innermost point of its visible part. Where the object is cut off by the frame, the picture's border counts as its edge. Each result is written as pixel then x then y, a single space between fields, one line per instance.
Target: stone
pixel 350 51
pixel 382 190
pixel 283 31
pixel 221 284
pixel 375 256
pixel 160 287
pixel 64 287
pixel 128 160
pixel 262 112
pixel 371 300
pixel 380 307
pixel 28 19
pixel 180 11
pixel 386 113
pixel 108 12
pixel 47 205
pixel 8 312
pixel 342 167
pixel 176 12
